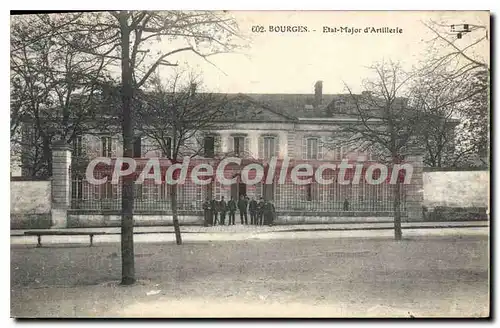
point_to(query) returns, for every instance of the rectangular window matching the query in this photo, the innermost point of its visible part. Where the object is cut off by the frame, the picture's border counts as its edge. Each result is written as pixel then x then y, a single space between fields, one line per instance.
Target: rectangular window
pixel 268 191
pixel 239 145
pixel 137 147
pixel 77 188
pixel 269 147
pixel 209 146
pixel 167 148
pixel 311 192
pixel 77 146
pixel 106 146
pixel 164 191
pixel 312 148
pixel 150 190
pixel 106 190
pixel 339 153
pixel 138 191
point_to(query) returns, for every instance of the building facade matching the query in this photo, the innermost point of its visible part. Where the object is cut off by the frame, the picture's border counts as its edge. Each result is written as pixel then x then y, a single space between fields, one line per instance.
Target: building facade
pixel 296 128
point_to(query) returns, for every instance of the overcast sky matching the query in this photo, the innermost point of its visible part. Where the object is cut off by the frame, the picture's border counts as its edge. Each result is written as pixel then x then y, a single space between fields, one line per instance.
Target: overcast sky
pixel 292 62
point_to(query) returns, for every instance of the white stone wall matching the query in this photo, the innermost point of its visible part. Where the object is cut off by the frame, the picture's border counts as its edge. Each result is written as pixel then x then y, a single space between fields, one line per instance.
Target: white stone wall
pixel 456 189
pixel 30 197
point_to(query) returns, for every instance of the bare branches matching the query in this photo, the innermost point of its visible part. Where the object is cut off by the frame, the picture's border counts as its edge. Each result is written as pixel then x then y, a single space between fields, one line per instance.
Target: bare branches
pixel 160 61
pixel 444 90
pixel 175 115
pixel 386 127
pixel 455 52
pixel 53 89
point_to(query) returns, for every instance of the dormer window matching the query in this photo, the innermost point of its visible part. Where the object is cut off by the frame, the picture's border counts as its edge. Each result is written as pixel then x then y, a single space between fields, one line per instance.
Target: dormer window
pixel 340 106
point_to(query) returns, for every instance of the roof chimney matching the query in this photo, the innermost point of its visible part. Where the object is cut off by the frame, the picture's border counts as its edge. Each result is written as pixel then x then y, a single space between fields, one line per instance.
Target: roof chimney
pixel 192 89
pixel 318 92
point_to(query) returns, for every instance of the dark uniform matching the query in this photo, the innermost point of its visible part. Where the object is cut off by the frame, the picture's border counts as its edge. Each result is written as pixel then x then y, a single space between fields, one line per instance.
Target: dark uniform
pixel 252 208
pixel 242 206
pixel 346 205
pixel 269 213
pixel 215 209
pixel 207 213
pixel 222 210
pixel 260 209
pixel 232 209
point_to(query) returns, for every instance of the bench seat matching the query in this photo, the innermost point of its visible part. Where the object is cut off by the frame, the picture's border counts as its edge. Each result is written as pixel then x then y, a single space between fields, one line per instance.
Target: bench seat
pixel 39 234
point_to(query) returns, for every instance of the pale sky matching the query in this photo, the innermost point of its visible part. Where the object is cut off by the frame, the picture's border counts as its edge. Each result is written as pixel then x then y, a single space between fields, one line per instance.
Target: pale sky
pixel 292 62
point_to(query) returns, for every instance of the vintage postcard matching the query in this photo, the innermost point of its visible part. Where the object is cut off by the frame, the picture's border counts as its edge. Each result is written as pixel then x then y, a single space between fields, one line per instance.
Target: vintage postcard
pixel 250 164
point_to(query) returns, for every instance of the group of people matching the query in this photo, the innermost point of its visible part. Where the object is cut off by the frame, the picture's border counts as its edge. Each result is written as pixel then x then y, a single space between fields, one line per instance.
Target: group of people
pixel 261 212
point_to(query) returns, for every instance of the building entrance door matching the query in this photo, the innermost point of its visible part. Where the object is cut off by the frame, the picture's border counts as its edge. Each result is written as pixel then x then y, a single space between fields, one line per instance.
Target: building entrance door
pixel 237 189
pixel 242 189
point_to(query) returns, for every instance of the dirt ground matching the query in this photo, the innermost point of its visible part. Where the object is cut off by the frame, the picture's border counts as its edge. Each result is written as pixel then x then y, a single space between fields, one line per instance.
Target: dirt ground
pixel 424 276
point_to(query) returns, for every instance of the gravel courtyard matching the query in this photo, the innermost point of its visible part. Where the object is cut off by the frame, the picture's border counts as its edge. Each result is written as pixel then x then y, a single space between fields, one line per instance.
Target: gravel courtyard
pixel 419 276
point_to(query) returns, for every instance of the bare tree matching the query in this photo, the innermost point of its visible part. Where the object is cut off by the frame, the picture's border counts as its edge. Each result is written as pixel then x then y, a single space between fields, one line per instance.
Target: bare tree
pixel 453 85
pixel 386 126
pixel 127 39
pixel 441 98
pixel 448 47
pixel 54 92
pixel 176 117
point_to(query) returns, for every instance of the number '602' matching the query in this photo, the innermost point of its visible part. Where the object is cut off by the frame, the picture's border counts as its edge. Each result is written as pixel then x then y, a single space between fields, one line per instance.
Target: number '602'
pixel 258 29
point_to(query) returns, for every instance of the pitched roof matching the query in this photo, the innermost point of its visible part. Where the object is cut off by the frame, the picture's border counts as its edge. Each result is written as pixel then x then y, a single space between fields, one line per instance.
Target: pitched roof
pixel 302 105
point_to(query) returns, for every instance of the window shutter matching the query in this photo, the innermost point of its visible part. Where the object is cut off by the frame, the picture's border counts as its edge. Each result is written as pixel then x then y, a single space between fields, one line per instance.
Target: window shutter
pixel 230 147
pixel 277 147
pixel 86 190
pixel 217 146
pixel 102 146
pixel 199 194
pixel 261 147
pixel 339 153
pixel 320 148
pixel 145 147
pixel 247 146
pixel 91 146
pixel 114 146
pixel 119 146
pixel 304 148
pixel 258 190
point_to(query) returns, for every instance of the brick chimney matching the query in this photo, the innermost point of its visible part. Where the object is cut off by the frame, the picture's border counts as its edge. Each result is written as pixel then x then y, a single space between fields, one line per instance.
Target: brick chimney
pixel 318 93
pixel 192 88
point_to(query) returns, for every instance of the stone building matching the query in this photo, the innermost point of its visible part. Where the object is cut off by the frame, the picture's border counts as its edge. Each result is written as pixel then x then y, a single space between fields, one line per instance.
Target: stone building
pixel 300 127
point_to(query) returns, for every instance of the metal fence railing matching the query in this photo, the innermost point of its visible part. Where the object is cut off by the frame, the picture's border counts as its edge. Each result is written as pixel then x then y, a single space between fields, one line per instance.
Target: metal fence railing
pixel 287 197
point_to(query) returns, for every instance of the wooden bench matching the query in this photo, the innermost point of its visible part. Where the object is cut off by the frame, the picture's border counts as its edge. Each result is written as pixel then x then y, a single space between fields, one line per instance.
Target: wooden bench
pixel 39 235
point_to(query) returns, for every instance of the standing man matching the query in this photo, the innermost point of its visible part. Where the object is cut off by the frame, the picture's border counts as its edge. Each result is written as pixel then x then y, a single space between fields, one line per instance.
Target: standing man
pixel 346 205
pixel 215 205
pixel 252 207
pixel 260 211
pixel 207 212
pixel 242 206
pixel 222 209
pixel 272 215
pixel 232 209
pixel 266 212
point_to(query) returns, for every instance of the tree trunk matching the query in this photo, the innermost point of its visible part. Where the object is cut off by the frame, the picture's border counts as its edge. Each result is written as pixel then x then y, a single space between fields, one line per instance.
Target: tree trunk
pixel 173 202
pixel 127 229
pixel 397 211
